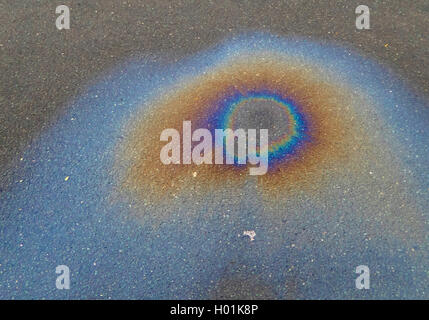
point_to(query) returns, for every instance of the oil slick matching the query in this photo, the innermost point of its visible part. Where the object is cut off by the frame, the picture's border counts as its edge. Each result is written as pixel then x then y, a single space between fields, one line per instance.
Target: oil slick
pixel 346 183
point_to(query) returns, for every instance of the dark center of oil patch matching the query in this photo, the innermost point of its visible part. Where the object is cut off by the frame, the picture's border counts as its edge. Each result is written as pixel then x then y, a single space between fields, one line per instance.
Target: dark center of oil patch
pixel 262 114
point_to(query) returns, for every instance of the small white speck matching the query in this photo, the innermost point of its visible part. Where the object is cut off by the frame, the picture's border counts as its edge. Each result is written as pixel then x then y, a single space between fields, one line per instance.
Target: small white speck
pixel 250 233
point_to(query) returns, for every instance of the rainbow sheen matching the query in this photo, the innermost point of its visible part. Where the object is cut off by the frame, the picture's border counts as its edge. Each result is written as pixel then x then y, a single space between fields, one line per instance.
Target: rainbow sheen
pixel 351 185
pixel 278 149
